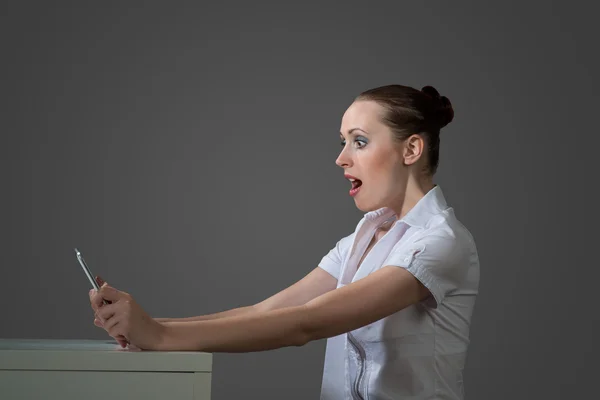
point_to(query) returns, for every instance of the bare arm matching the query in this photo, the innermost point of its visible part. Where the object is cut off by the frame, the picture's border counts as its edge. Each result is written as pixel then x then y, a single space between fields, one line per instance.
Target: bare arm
pixel 367 300
pixel 228 313
pixel 316 283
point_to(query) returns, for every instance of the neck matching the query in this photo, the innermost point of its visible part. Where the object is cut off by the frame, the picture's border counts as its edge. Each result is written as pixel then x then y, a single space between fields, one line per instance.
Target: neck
pixel 415 190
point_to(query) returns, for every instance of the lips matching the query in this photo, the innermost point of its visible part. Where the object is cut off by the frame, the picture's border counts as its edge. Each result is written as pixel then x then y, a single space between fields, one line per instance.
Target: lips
pixel 353 180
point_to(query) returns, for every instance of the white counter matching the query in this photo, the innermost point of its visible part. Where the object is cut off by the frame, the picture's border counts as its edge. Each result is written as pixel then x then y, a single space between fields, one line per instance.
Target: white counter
pixel 99 369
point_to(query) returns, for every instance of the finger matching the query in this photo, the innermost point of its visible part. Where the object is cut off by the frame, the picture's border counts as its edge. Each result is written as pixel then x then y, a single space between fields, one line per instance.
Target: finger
pixel 122 340
pixel 100 281
pixel 92 293
pixel 110 323
pixel 116 330
pixel 119 338
pixel 96 300
pixel 134 347
pixel 98 322
pixel 106 312
pixel 109 293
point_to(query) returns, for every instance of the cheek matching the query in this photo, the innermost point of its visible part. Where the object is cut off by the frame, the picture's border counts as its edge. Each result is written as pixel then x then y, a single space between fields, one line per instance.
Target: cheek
pixel 381 167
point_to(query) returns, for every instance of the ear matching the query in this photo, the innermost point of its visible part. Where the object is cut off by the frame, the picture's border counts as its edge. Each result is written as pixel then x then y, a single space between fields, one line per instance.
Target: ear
pixel 414 147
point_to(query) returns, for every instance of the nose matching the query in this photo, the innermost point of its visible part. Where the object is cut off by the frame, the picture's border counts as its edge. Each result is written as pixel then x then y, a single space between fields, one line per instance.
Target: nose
pixel 344 160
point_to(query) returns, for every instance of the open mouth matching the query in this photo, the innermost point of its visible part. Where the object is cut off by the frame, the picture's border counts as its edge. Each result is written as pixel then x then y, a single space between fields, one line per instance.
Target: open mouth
pixel 356 183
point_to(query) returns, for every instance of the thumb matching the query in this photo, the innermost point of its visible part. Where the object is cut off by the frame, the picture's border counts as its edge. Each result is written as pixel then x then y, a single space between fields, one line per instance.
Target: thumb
pixel 109 293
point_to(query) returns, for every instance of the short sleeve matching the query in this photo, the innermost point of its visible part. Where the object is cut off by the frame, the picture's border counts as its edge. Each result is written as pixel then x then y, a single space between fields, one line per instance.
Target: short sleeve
pixel 332 262
pixel 437 260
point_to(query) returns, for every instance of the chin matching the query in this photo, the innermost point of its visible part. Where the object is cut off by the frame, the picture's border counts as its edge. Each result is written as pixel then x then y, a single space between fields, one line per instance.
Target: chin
pixel 365 207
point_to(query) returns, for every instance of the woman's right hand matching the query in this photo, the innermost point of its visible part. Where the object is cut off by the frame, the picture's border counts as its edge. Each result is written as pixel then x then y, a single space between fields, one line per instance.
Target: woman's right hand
pixel 119 338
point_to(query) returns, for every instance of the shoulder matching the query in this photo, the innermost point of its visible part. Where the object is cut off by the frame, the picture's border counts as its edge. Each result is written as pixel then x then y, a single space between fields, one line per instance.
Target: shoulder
pixel 444 237
pixel 441 254
pixel 446 229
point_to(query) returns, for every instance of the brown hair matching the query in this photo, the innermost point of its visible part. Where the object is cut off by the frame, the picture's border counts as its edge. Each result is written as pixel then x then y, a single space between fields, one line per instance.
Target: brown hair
pixel 410 111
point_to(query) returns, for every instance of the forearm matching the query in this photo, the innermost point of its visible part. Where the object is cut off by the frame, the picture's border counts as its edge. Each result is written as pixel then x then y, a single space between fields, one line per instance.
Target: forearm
pixel 247 332
pixel 228 313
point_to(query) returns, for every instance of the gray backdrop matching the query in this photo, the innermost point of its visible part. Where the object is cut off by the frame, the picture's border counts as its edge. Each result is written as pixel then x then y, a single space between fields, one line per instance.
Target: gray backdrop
pixel 188 149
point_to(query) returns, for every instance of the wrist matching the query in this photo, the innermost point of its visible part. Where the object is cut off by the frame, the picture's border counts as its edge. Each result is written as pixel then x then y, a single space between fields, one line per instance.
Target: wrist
pixel 164 337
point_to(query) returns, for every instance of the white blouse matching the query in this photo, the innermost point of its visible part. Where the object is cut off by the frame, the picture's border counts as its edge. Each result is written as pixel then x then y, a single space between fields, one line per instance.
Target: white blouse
pixel 420 351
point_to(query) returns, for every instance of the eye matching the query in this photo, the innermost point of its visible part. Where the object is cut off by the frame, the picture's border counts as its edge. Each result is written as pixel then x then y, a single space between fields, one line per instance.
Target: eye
pixel 360 142
pixel 364 142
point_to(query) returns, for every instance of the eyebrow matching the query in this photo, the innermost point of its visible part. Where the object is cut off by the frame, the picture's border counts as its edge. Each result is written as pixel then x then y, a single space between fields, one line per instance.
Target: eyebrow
pixel 351 131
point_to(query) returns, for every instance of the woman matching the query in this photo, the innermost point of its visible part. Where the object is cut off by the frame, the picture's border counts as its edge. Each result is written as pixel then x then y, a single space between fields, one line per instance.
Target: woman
pixel 394 298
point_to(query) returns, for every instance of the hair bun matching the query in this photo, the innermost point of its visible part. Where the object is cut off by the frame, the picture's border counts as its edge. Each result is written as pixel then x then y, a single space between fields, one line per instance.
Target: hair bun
pixel 431 91
pixel 443 106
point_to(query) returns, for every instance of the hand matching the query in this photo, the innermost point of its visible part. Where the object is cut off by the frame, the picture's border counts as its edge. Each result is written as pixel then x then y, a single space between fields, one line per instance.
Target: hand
pixel 119 338
pixel 124 317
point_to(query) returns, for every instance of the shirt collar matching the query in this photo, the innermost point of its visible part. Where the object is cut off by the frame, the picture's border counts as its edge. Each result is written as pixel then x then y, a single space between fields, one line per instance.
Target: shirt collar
pixel 429 205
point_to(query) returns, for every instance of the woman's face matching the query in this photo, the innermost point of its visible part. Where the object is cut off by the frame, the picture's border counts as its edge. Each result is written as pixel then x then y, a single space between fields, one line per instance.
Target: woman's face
pixel 372 156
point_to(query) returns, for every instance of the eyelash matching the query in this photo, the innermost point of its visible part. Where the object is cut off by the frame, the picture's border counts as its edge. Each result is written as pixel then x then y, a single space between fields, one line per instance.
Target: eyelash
pixel 342 143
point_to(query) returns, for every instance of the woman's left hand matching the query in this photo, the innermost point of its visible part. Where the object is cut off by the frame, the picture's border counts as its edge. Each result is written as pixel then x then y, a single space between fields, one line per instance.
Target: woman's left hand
pixel 125 317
